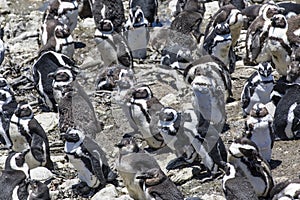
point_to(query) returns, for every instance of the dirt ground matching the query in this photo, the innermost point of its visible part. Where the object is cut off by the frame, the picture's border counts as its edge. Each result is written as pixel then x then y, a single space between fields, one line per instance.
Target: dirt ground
pixel 285 156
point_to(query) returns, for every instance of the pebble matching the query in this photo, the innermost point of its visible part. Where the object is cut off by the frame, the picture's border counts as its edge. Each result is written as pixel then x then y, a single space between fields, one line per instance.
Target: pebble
pixel 107 193
pixel 41 174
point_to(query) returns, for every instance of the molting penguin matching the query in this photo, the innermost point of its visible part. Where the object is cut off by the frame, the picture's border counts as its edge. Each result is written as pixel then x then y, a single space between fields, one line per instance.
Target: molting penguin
pixel 143 114
pixel 12 179
pixel 157 186
pixel 148 7
pixel 289 189
pixel 131 163
pixel 259 130
pixel 88 159
pixel 244 154
pixel 137 33
pixel 236 186
pixel 257 35
pixel 42 80
pixel 190 135
pixel 74 106
pixel 287 113
pixel 258 88
pixel 27 135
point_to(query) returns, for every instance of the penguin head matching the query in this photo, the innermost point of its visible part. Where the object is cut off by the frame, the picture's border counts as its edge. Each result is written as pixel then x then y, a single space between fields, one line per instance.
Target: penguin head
pixel 152 176
pixel 104 29
pixel 279 21
pixel 265 69
pixel 137 18
pixel 243 147
pixel 38 190
pixel 127 145
pixel 5 97
pixel 269 10
pixel 142 92
pixel 259 110
pixel 16 161
pixel 63 77
pixel 62 31
pixel 169 121
pixel 73 135
pixel 24 111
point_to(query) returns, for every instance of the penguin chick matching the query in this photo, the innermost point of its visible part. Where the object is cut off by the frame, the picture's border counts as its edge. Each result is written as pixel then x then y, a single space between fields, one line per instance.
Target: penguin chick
pixel 29 137
pixel 244 154
pixel 157 186
pixel 130 163
pixel 257 88
pixel 289 189
pixel 143 109
pixel 259 130
pixel 88 159
pixel 236 186
pixel 13 177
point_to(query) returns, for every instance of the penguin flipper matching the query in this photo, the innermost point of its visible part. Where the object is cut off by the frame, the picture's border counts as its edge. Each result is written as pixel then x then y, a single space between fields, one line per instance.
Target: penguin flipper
pixel 36 148
pixel 256 45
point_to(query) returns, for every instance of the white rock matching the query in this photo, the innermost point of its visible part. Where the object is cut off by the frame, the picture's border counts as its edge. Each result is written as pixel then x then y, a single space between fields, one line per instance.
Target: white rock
pixel 212 197
pixel 87 23
pixel 69 183
pixel 41 174
pixel 107 193
pixel 182 175
pixel 124 197
pixel 48 120
pixel 2 161
pixel 169 99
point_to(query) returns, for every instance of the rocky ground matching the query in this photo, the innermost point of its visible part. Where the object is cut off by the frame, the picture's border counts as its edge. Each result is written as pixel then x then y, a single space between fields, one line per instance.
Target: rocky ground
pixel 22 20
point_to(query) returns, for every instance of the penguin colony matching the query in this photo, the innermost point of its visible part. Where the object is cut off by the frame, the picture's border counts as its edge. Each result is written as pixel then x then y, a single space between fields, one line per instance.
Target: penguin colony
pixel 202 62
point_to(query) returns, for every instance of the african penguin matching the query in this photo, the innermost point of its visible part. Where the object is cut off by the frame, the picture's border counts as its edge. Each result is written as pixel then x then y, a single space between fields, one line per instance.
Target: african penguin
pixel 149 9
pixel 259 130
pixel 158 186
pixel 190 136
pixel 42 80
pixel 257 88
pixel 235 184
pixel 112 46
pixel 188 5
pixel 143 108
pixel 28 136
pixel 287 113
pixel 244 154
pixel 66 12
pixel 38 191
pixel 74 106
pixel 257 34
pixel 85 9
pixel 289 189
pixel 240 5
pixel 137 33
pixel 110 77
pixel 107 10
pixel 88 159
pixel 131 162
pixel 13 177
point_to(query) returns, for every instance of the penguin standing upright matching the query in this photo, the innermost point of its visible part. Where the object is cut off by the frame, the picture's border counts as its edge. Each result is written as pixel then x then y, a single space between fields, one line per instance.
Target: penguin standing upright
pixel 157 186
pixel 131 162
pixel 236 186
pixel 244 154
pixel 143 108
pixel 287 113
pixel 258 88
pixel 88 159
pixel 42 78
pixel 27 135
pixel 148 7
pixel 259 130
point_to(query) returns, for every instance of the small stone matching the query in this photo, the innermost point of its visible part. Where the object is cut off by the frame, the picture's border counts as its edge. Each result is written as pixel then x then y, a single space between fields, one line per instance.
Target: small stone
pixel 169 99
pixel 107 193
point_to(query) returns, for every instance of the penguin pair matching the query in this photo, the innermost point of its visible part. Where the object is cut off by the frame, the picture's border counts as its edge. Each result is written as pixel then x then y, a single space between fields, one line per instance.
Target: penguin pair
pixel 42 80
pixel 89 160
pixel 211 85
pixel 141 109
pixel 257 88
pixel 28 136
pixel 74 106
pixel 132 162
pixel 235 184
pixel 259 130
pixel 289 189
pixel 244 154
pixel 257 34
pixel 286 117
pixel 230 15
pixel 15 181
pixel 191 135
pixel 109 77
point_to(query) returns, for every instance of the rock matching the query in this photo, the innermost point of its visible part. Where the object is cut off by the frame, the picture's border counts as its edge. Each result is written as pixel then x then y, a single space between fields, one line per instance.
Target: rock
pixel 69 183
pixel 107 193
pixel 41 174
pixel 169 99
pixel 182 175
pixel 87 23
pixel 212 197
pixel 48 120
pixel 2 161
pixel 4 9
pixel 124 197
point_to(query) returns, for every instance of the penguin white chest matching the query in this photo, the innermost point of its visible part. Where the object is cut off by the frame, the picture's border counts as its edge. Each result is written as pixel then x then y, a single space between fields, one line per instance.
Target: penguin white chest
pixel 18 140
